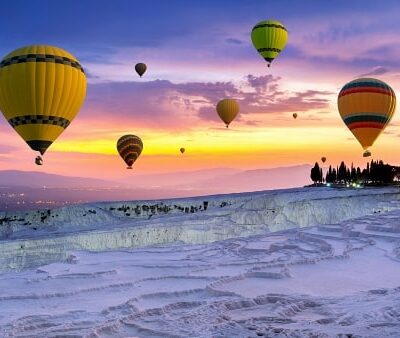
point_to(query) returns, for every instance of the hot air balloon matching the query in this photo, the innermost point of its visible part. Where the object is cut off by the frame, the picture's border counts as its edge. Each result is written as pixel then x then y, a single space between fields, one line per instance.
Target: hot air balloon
pixel 129 148
pixel 140 68
pixel 269 37
pixel 323 159
pixel 182 150
pixel 295 115
pixel 227 110
pixel 41 90
pixel 366 106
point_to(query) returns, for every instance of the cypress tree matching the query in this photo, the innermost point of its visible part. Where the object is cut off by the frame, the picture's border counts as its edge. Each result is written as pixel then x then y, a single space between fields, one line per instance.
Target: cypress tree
pixel 315 173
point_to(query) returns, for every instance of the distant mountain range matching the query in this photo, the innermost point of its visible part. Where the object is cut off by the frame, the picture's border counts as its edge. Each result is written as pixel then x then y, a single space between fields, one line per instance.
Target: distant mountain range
pixel 33 179
pixel 217 180
pixel 25 190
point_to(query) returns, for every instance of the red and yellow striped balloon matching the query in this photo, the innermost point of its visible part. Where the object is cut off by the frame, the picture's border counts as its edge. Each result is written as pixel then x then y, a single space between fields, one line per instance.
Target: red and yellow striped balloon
pixel 366 106
pixel 129 148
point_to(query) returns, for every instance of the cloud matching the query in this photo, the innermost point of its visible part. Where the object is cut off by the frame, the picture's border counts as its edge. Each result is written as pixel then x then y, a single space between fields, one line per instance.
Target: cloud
pixel 7 149
pixel 234 41
pixel 164 104
pixel 89 75
pixel 379 70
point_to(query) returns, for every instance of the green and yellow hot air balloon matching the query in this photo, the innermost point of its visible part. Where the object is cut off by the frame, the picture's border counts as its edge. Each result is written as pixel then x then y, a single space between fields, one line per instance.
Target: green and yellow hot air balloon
pixel 227 110
pixel 366 106
pixel 269 37
pixel 129 148
pixel 41 91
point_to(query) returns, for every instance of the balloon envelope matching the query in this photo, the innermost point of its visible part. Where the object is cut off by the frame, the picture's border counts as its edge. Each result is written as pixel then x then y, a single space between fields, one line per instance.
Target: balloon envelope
pixel 323 159
pixel 295 115
pixel 41 91
pixel 227 110
pixel 269 37
pixel 366 106
pixel 182 150
pixel 140 68
pixel 129 148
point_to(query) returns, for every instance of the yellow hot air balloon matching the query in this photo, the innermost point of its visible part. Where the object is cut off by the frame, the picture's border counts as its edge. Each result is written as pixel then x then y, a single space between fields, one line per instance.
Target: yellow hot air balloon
pixel 182 150
pixel 227 110
pixel 129 148
pixel 269 37
pixel 41 91
pixel 366 106
pixel 295 115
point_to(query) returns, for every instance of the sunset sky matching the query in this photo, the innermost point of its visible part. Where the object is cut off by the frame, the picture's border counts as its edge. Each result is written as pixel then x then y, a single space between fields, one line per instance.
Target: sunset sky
pixel 197 53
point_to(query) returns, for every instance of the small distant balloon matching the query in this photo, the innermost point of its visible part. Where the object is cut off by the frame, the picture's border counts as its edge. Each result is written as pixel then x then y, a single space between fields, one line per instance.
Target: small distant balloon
pixel 182 150
pixel 323 159
pixel 295 115
pixel 140 68
pixel 129 148
pixel 227 110
pixel 269 37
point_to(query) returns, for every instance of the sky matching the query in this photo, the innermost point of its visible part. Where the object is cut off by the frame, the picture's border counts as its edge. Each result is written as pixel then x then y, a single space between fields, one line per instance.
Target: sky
pixel 198 52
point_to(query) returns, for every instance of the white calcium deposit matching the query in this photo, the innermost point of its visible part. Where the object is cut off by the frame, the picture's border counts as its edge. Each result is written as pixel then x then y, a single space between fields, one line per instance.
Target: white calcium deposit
pixel 310 262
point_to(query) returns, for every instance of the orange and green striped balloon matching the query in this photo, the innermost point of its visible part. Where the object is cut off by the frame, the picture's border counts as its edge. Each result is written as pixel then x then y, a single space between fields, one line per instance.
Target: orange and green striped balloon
pixel 269 37
pixel 366 106
pixel 129 148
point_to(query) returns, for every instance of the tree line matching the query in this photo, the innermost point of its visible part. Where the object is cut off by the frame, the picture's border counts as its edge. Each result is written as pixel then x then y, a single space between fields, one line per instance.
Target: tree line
pixel 375 173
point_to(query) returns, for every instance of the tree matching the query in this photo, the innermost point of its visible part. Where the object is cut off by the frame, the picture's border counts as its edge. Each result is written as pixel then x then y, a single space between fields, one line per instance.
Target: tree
pixel 328 177
pixel 342 173
pixel 334 175
pixel 353 174
pixel 316 173
pixel 358 174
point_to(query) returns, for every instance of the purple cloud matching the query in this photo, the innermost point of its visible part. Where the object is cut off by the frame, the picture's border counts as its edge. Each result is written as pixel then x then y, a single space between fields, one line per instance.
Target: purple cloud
pixel 234 41
pixel 379 70
pixel 163 103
